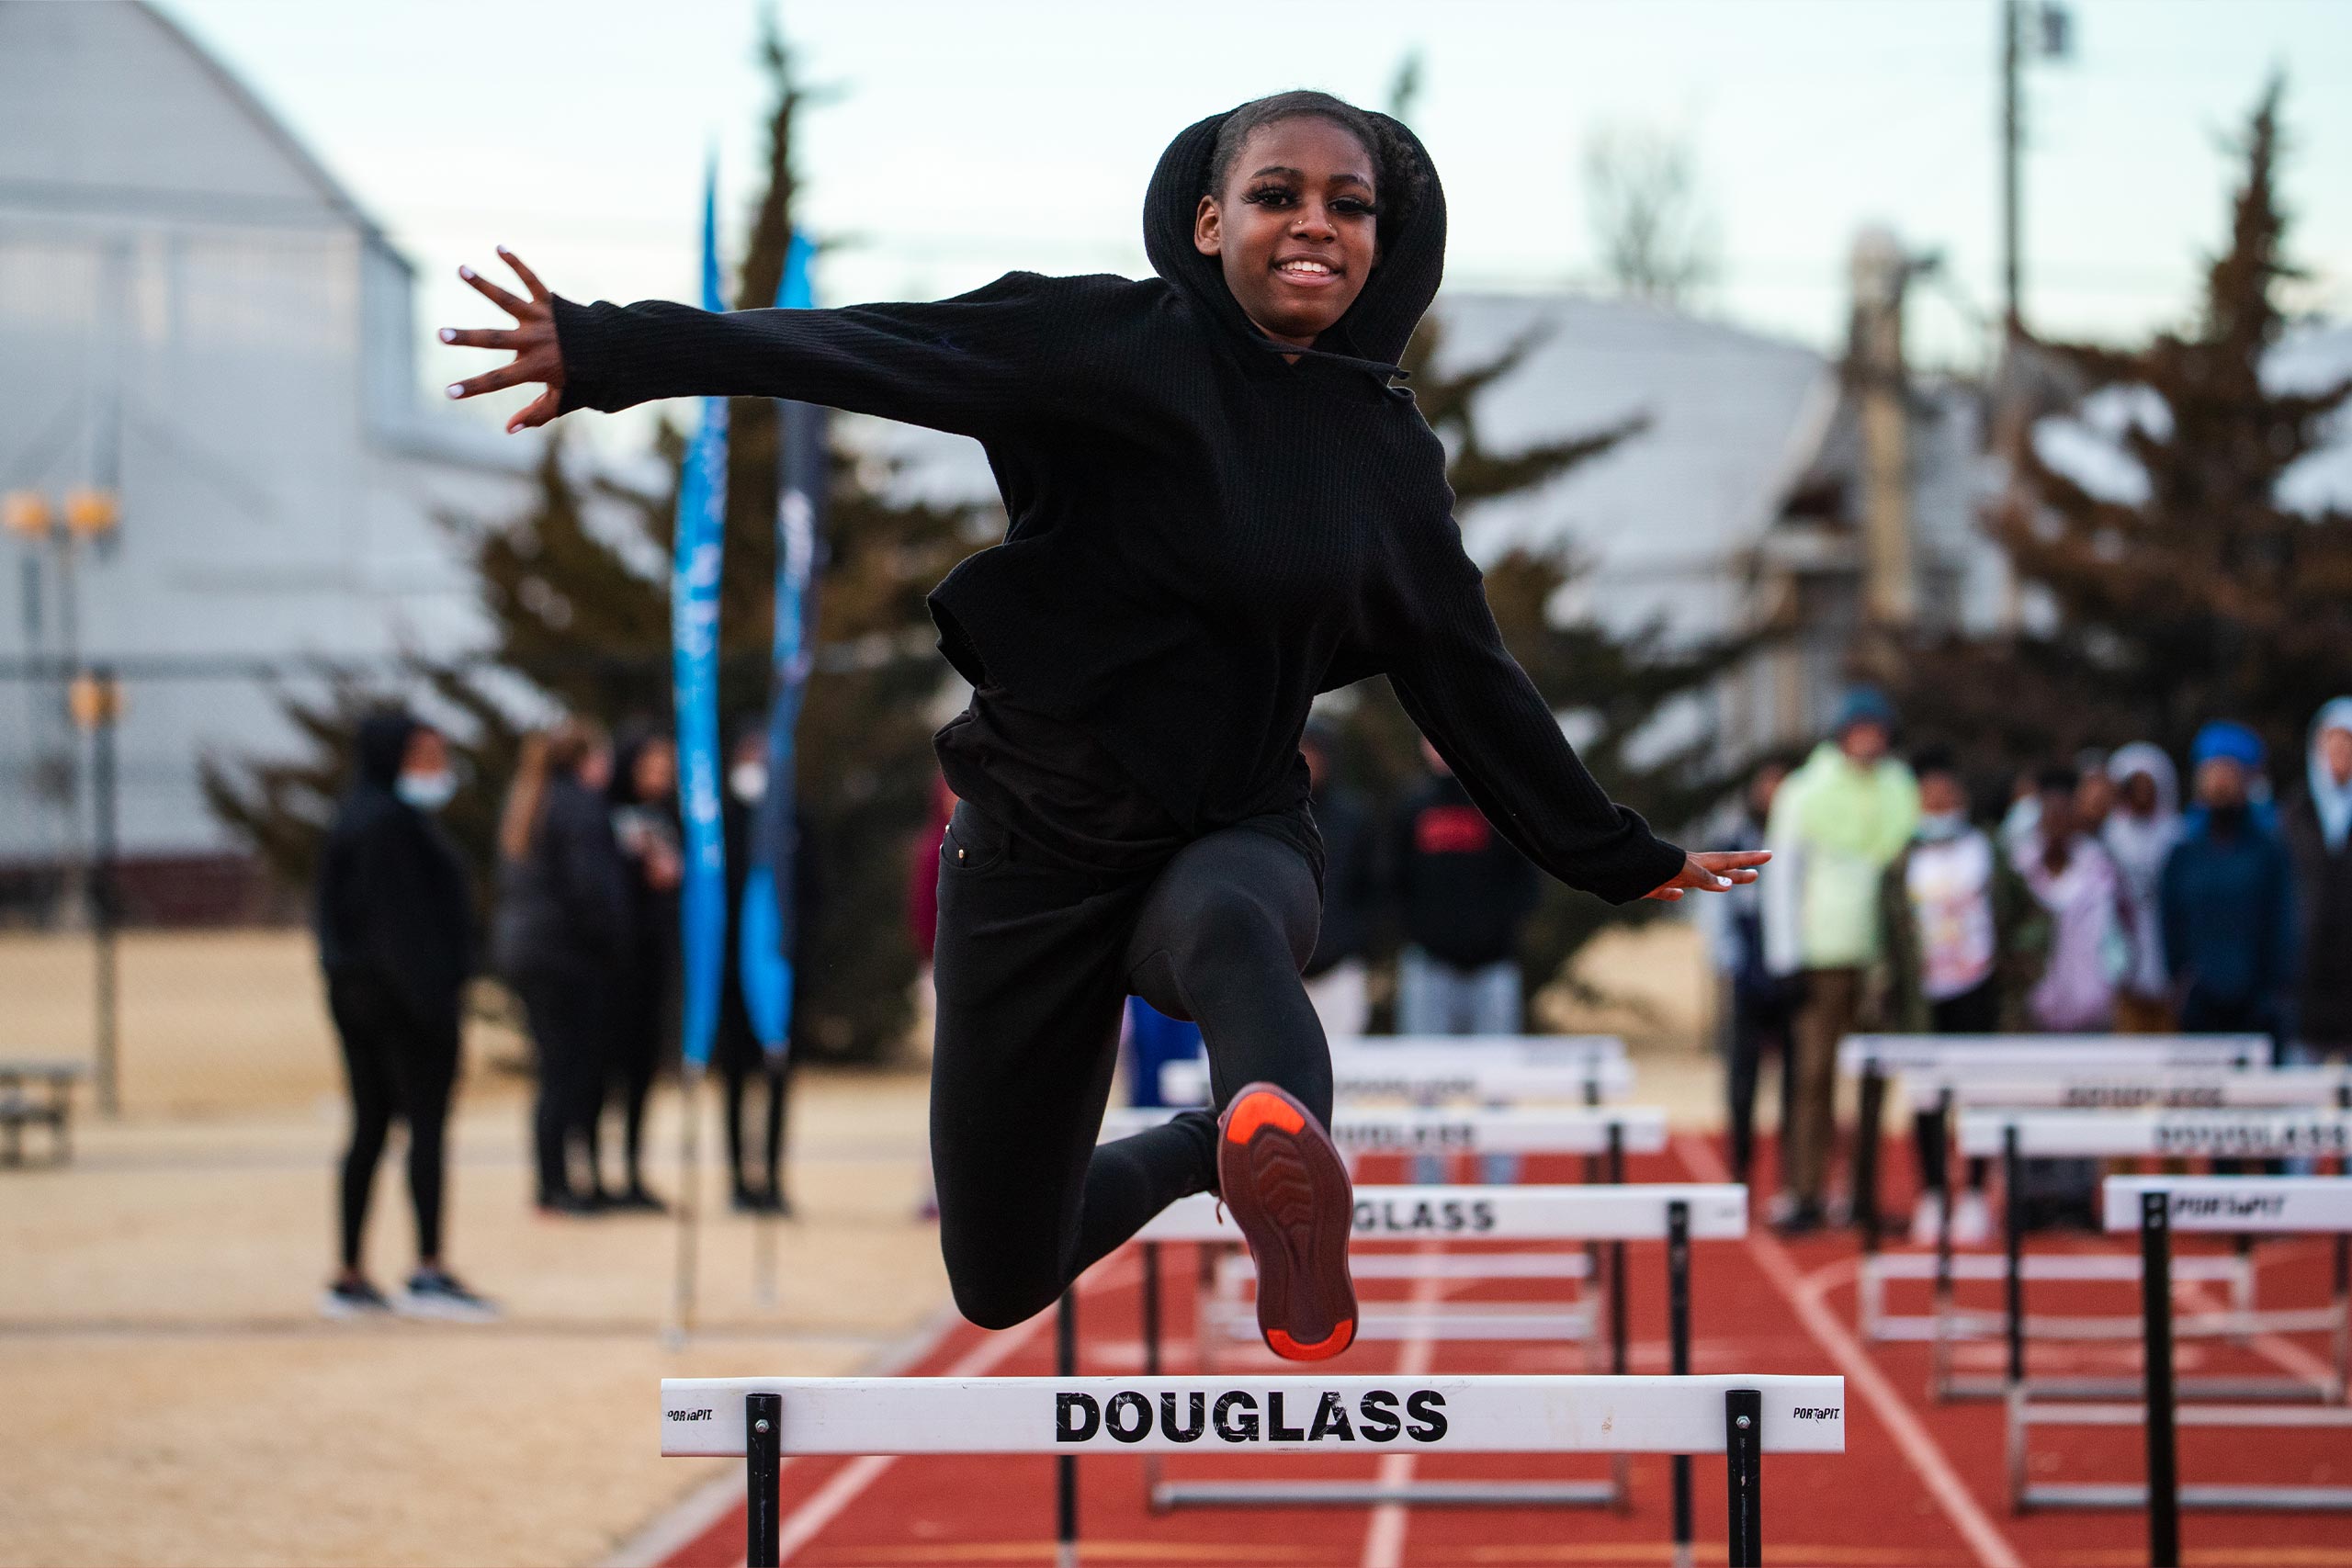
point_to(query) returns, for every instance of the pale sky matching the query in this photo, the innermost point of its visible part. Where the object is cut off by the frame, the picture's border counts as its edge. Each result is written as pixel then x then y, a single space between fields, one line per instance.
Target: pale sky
pixel 971 139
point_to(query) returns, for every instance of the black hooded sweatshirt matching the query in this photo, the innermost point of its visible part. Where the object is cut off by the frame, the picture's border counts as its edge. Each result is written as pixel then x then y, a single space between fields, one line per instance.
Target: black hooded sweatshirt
pixel 393 899
pixel 1203 535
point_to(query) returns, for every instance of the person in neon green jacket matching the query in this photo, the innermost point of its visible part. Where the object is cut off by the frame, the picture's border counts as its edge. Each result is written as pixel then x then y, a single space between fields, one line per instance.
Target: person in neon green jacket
pixel 1837 824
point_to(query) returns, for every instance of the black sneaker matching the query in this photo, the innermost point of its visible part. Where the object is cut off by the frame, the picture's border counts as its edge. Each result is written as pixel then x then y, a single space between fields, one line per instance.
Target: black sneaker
pixel 346 1300
pixel 435 1293
pixel 637 1200
pixel 1288 1190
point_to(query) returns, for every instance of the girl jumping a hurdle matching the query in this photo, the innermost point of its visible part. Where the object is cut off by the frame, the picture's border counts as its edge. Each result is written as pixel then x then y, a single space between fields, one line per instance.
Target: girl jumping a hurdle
pixel 1221 504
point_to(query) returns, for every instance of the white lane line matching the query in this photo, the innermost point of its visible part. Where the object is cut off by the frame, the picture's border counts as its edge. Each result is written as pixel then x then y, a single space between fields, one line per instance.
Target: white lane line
pixel 1927 1460
pixel 1383 1538
pixel 826 1503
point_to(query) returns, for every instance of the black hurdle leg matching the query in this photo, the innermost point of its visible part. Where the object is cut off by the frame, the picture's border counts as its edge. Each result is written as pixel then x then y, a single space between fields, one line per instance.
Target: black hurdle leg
pixel 1593 1169
pixel 2155 1307
pixel 1150 1353
pixel 1066 1465
pixel 2013 1252
pixel 1744 1472
pixel 1871 1114
pixel 1954 1171
pixel 1677 1313
pixel 763 1463
pixel 1621 1467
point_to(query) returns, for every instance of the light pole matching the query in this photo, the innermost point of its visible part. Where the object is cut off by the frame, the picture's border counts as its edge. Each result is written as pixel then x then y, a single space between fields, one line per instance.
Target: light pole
pixel 92 704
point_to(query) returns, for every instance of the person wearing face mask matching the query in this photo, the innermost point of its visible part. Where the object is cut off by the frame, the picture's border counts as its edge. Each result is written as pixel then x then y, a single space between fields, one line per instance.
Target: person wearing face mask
pixel 395 939
pixel 2139 834
pixel 2319 833
pixel 1835 825
pixel 755 1171
pixel 2228 897
pixel 1959 930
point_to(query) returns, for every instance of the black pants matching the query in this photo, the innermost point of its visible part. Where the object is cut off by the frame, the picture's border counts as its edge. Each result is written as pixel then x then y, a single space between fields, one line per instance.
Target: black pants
pixel 570 1030
pixel 1976 1011
pixel 1035 959
pixel 1761 1019
pixel 397 1067
pixel 738 1072
pixel 636 1051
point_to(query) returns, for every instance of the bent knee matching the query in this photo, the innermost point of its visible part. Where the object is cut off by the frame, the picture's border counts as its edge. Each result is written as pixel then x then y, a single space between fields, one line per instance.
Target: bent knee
pixel 996 1303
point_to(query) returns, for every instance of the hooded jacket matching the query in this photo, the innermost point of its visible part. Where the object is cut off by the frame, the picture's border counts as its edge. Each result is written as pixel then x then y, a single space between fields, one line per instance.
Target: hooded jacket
pixel 392 900
pixel 1204 534
pixel 2139 846
pixel 2321 847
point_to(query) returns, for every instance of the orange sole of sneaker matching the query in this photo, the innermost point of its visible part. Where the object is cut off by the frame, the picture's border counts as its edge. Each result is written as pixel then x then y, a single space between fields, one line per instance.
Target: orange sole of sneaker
pixel 1288 1190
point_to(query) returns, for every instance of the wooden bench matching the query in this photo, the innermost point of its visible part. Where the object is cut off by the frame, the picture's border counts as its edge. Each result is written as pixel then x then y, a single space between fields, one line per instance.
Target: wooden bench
pixel 37 1091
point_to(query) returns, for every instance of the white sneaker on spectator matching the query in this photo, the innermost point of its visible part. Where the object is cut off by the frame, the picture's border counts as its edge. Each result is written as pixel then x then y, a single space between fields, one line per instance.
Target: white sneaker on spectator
pixel 1972 1222
pixel 1926 1216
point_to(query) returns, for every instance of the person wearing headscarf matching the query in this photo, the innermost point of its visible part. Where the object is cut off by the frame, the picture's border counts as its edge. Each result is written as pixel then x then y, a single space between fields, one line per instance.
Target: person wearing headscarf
pixel 2138 833
pixel 1838 823
pixel 2318 825
pixel 2228 897
pixel 643 793
pixel 395 929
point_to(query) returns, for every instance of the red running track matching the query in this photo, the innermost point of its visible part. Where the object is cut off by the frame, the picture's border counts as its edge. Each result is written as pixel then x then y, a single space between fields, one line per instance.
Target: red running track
pixel 1921 1484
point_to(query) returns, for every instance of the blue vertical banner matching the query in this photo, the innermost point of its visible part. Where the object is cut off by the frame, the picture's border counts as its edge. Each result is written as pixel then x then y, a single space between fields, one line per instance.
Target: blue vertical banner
pixel 693 641
pixel 767 937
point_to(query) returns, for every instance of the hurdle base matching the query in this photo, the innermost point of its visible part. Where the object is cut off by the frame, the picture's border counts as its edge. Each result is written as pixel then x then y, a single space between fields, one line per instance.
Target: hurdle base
pixel 2089 1495
pixel 1170 1496
pixel 2193 1390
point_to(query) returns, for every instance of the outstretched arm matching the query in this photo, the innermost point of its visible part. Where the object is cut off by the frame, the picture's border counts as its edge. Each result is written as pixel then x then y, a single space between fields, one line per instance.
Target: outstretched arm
pixel 1477 706
pixel 975 365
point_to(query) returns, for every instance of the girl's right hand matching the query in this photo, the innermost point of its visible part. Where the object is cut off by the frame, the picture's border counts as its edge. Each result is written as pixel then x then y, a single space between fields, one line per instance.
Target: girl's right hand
pixel 537 356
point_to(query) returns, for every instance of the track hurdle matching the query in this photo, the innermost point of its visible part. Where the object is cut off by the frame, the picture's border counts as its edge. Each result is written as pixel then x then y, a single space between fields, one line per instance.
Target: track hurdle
pixel 2107 1088
pixel 2251 1133
pixel 2155 1207
pixel 1677 1215
pixel 1742 1417
pixel 1873 1058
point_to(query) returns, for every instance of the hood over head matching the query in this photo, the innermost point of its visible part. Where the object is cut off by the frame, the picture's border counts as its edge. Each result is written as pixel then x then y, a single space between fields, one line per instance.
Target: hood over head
pixel 2331 801
pixel 2146 757
pixel 381 745
pixel 1374 333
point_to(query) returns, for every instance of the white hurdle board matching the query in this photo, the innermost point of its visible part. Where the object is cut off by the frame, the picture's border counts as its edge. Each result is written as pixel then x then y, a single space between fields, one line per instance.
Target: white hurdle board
pixel 1435 1076
pixel 1279 1415
pixel 2235 1204
pixel 2162 1088
pixel 1632 1212
pixel 1527 1130
pixel 2027 1055
pixel 2249 1133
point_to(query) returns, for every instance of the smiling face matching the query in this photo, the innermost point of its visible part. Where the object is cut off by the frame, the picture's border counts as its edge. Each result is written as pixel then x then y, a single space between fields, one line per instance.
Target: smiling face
pixel 1294 226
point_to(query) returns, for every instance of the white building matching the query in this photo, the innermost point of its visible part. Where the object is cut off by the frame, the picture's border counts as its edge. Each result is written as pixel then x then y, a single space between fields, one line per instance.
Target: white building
pixel 193 312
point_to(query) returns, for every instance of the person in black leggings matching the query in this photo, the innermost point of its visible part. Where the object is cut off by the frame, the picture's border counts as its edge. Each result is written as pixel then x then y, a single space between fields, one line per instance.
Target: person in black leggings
pixel 643 792
pixel 1222 503
pixel 393 925
pixel 561 939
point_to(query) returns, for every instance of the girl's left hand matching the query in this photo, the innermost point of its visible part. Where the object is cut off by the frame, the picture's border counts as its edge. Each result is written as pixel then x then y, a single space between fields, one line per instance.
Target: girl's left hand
pixel 1711 871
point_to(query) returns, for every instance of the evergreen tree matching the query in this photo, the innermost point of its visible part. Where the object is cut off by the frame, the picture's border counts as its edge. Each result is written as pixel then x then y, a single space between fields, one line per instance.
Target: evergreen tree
pixel 579 619
pixel 2203 595
pixel 1612 686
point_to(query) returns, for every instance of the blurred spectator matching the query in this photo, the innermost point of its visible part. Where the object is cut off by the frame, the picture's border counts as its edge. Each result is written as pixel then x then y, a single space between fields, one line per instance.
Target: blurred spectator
pixel 394 929
pixel 562 935
pixel 2140 833
pixel 2228 897
pixel 1836 826
pixel 2074 881
pixel 736 1049
pixel 1151 1040
pixel 1759 1007
pixel 644 795
pixel 2319 833
pixel 1335 974
pixel 1464 895
pixel 2094 797
pixel 1959 927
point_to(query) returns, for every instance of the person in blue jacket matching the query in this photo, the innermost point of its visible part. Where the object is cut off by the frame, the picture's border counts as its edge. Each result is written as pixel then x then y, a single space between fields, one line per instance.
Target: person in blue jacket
pixel 2228 897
